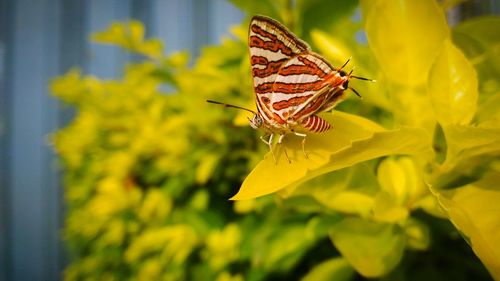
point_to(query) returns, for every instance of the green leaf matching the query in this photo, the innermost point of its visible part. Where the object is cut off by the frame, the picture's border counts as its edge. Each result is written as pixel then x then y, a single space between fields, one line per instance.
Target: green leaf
pixel 302 204
pixel 319 226
pixel 453 86
pixel 478 39
pixel 480 32
pixel 405 36
pixel 448 4
pixel 280 248
pixel 324 14
pixel 264 7
pixel 352 140
pixel 337 269
pixel 474 210
pixel 373 249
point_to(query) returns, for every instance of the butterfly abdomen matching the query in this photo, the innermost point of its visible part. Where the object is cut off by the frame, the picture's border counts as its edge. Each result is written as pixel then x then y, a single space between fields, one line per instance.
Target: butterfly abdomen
pixel 315 124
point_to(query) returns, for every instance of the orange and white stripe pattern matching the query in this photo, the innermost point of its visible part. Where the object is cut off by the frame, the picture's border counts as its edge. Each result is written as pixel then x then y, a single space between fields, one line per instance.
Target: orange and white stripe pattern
pixel 291 82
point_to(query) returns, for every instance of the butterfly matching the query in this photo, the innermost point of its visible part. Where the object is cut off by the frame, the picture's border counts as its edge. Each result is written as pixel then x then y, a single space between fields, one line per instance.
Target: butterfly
pixel 292 84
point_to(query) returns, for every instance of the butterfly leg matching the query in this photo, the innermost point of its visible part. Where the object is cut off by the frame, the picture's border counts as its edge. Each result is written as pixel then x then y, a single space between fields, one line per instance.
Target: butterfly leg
pixel 269 143
pixel 280 143
pixel 303 143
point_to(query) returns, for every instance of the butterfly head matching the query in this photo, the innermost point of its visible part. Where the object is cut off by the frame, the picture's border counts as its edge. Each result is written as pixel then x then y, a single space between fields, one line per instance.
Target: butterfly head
pixel 256 121
pixel 346 76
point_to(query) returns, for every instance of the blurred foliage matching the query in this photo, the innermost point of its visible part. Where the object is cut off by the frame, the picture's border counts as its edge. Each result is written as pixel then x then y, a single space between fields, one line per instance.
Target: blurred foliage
pixel 395 191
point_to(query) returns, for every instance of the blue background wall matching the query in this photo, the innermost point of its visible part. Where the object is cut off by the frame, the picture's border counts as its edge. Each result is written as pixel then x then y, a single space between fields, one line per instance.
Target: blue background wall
pixel 39 40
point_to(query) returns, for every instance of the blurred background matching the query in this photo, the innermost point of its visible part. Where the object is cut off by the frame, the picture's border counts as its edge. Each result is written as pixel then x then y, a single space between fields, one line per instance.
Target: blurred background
pixel 45 38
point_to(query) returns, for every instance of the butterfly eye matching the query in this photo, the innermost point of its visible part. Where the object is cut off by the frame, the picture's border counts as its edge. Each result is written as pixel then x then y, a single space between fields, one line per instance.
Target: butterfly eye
pixel 346 84
pixel 256 121
pixel 342 73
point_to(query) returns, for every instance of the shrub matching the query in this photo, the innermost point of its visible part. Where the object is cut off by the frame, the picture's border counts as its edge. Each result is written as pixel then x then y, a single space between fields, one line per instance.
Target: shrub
pixel 149 167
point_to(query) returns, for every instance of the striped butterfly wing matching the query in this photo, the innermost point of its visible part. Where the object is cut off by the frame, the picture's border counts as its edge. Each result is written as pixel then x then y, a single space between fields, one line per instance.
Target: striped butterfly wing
pixel 271 45
pixel 305 84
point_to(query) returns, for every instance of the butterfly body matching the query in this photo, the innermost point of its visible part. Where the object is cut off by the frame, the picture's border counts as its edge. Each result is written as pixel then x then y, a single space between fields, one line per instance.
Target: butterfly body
pixel 292 84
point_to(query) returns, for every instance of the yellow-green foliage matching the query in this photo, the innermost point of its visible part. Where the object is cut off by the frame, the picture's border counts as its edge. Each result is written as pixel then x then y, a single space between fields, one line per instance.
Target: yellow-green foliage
pixel 148 171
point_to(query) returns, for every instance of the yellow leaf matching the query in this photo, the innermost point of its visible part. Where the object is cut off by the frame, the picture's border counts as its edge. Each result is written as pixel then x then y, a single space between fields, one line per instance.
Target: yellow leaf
pixel 199 201
pixel 405 36
pixel 152 48
pixel 352 140
pixel 206 166
pixel 350 202
pixel 408 104
pixel 67 87
pixel 350 190
pixel 175 242
pixel 387 209
pixel 284 246
pixel 114 34
pixel 130 36
pixel 373 249
pixel 223 246
pixel 392 179
pixel 401 179
pixel 453 86
pixel 475 140
pixel 226 276
pixel 243 207
pixel 178 59
pixel 156 206
pixel 337 269
pixel 150 269
pixel 134 30
pixel 475 210
pixel 467 141
pixel 431 205
pixel 417 234
pixel 331 48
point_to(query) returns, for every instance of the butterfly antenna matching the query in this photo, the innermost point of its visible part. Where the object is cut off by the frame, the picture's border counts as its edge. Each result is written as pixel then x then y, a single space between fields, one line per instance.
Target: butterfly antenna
pixel 363 78
pixel 348 60
pixel 358 77
pixel 356 92
pixel 230 105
